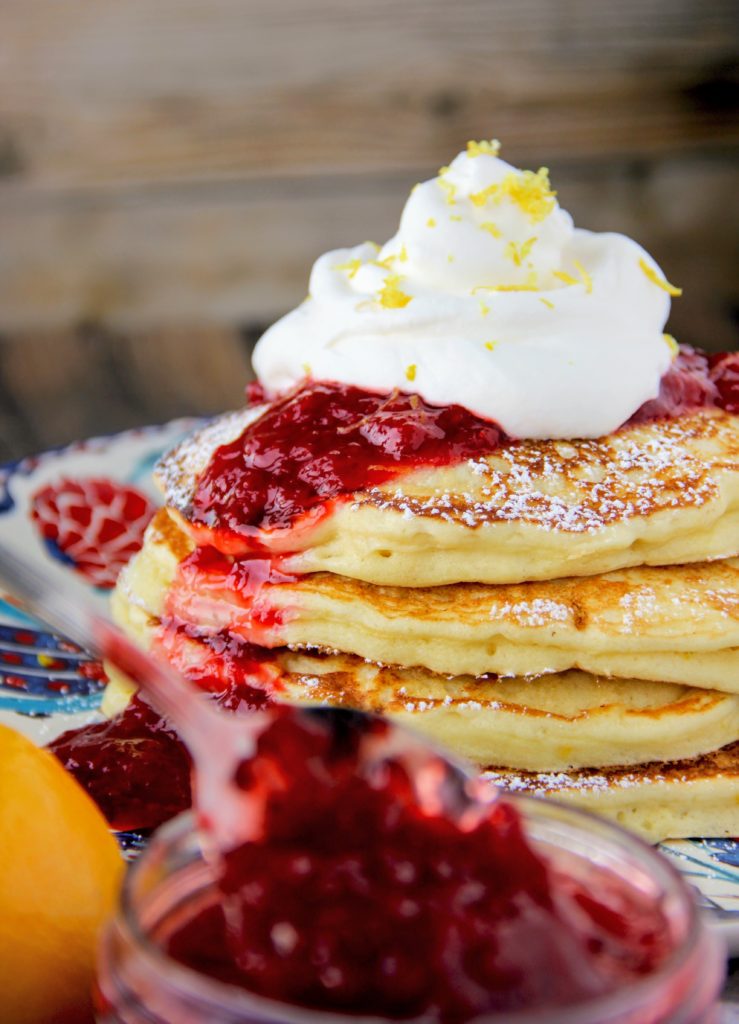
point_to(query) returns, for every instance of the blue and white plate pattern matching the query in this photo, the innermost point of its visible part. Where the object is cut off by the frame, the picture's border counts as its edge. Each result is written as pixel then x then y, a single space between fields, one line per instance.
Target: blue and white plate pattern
pixel 48 685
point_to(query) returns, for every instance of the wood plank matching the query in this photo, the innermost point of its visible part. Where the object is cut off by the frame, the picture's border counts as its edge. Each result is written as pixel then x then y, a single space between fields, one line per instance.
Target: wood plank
pixel 58 386
pixel 197 255
pixel 175 89
pixel 239 253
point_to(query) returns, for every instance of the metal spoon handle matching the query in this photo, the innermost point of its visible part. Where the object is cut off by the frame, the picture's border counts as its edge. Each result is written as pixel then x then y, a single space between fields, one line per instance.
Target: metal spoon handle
pixel 65 607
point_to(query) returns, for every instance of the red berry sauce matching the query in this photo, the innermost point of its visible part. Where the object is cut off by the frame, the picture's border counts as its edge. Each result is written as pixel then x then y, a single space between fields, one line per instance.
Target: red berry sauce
pixel 206 577
pixel 323 442
pixel 357 897
pixel 134 766
pixel 724 371
pixel 237 673
pixel 685 386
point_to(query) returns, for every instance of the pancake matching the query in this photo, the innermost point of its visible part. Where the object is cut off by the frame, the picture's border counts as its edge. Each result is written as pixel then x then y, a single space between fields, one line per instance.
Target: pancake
pixel 658 800
pixel 561 721
pixel 657 493
pixel 629 624
pixel 563 610
pixel 556 722
pixel 696 797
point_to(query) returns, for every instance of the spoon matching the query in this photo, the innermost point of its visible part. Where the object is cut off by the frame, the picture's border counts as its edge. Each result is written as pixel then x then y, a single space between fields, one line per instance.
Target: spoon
pixel 220 742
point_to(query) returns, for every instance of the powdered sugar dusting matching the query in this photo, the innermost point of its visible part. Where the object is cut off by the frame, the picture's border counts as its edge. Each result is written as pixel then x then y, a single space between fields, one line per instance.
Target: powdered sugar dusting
pixel 538 612
pixel 543 783
pixel 582 486
pixel 639 605
pixel 719 763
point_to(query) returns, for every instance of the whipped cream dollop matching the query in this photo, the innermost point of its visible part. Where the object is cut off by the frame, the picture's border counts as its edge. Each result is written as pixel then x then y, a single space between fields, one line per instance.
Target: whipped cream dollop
pixel 487 297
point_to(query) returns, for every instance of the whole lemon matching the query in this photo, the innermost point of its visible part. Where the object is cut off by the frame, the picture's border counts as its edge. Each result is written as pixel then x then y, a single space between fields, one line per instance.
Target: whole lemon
pixel 60 871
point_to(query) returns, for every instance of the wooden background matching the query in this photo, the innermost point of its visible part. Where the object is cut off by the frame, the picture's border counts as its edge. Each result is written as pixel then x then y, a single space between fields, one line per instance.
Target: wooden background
pixel 169 169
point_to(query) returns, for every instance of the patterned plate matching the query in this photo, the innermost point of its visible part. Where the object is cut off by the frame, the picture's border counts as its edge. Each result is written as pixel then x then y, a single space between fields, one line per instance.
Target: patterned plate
pixel 82 510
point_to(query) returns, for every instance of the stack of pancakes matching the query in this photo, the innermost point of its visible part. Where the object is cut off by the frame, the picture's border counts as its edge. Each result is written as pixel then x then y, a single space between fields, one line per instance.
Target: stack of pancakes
pixel 563 614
